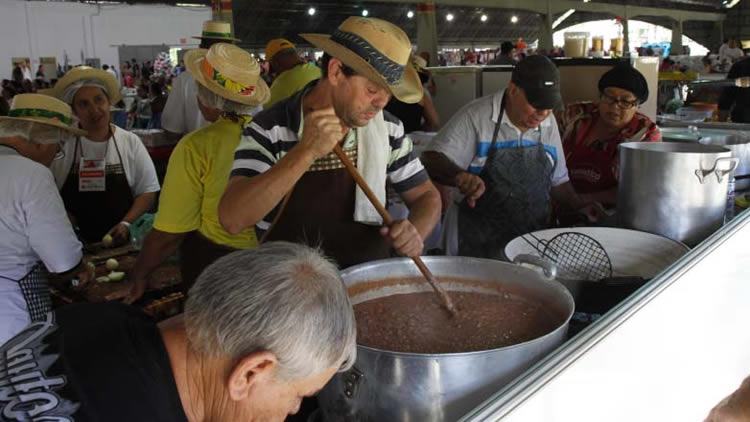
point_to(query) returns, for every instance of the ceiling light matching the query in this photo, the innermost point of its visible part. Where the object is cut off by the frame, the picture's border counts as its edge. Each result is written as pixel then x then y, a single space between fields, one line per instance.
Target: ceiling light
pixel 562 17
pixel 449 17
pixel 732 4
pixel 311 11
pixel 514 19
pixel 365 12
pixel 483 18
pixel 410 14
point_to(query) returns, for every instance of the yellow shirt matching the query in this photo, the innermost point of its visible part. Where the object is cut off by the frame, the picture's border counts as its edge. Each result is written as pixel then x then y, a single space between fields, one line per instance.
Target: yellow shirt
pixel 197 175
pixel 291 81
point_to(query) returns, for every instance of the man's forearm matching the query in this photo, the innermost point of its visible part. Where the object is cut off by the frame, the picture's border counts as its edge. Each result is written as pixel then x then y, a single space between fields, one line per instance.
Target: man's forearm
pixel 248 199
pixel 157 247
pixel 440 168
pixel 141 204
pixel 424 213
pixel 424 207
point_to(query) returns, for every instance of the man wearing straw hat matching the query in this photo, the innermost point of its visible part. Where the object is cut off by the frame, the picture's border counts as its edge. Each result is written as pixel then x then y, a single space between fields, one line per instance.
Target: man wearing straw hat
pixel 285 153
pixel 181 114
pixel 229 88
pixel 33 223
pixel 107 179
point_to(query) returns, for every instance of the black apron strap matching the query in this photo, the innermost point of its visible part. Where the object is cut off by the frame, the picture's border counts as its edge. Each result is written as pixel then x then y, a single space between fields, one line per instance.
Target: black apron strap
pixel 495 132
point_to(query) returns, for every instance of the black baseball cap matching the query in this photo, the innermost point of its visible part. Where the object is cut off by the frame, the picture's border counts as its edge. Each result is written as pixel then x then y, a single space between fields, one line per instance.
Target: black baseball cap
pixel 539 79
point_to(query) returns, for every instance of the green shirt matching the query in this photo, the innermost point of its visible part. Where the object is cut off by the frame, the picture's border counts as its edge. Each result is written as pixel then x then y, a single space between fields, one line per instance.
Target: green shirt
pixel 291 81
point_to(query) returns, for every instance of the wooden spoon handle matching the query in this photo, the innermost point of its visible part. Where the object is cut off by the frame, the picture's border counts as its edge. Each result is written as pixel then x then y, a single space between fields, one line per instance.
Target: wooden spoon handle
pixel 388 220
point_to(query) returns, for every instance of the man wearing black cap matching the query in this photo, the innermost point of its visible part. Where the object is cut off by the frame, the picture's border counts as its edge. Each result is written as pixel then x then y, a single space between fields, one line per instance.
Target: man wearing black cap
pixel 504 155
pixel 591 132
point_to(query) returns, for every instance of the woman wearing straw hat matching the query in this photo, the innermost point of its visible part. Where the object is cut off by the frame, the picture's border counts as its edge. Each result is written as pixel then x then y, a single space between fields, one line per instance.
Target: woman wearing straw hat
pixel 286 152
pixel 229 88
pixel 33 224
pixel 107 179
pixel 181 113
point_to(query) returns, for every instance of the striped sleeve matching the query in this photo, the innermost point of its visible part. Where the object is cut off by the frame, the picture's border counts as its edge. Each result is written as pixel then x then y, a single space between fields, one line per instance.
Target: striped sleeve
pixel 405 171
pixel 256 152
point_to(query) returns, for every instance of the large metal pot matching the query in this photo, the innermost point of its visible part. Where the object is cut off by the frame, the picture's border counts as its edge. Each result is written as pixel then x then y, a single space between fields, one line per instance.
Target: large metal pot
pixel 393 386
pixel 734 140
pixel 677 190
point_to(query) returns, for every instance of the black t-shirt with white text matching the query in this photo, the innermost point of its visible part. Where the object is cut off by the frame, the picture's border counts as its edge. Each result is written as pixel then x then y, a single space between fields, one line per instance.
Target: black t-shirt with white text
pixel 89 362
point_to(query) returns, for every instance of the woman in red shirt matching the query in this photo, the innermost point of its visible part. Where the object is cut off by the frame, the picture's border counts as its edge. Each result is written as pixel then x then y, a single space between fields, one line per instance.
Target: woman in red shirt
pixel 591 133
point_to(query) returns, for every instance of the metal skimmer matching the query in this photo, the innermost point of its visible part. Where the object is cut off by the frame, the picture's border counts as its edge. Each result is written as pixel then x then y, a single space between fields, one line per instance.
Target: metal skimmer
pixel 577 256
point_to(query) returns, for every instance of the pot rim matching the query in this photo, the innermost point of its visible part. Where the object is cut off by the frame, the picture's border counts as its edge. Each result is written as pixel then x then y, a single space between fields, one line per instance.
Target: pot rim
pixel 675 148
pixel 467 260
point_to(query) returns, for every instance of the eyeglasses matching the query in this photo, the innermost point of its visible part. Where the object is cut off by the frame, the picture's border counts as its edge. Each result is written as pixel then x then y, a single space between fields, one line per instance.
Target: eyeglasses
pixel 622 103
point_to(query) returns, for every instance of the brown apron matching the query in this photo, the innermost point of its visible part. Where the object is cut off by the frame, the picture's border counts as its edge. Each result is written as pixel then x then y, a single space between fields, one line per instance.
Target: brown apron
pixel 196 253
pixel 320 212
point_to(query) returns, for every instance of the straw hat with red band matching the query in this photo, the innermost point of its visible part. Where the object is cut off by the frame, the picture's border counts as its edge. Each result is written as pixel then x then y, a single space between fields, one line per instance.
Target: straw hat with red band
pixel 217 30
pixel 229 72
pixel 42 109
pixel 377 50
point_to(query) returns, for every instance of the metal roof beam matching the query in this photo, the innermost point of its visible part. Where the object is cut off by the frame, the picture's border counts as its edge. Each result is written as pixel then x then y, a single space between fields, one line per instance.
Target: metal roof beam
pixel 560 6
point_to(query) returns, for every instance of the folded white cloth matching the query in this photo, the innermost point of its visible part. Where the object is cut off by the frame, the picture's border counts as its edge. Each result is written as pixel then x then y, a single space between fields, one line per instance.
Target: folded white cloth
pixel 373 153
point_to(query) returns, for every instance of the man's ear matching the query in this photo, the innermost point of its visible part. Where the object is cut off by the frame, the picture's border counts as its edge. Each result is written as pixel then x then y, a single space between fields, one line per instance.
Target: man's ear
pixel 248 372
pixel 512 88
pixel 334 71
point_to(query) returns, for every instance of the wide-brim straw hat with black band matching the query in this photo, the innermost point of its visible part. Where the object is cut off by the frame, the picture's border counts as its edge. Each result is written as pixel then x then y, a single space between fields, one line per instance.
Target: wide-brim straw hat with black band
pixel 83 73
pixel 217 30
pixel 229 72
pixel 42 109
pixel 377 50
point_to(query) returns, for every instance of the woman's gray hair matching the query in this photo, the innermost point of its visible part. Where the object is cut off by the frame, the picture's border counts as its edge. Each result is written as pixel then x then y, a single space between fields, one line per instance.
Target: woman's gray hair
pixel 37 133
pixel 213 100
pixel 281 297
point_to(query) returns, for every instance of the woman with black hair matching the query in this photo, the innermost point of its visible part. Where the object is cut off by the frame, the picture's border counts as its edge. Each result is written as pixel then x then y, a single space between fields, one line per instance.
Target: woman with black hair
pixel 592 131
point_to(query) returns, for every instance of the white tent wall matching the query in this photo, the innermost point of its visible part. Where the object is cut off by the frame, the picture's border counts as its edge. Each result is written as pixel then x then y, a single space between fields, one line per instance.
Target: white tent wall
pixel 51 29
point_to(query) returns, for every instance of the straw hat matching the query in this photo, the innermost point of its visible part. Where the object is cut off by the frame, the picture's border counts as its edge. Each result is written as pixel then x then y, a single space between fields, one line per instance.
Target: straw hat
pixel 42 109
pixel 419 63
pixel 217 30
pixel 229 72
pixel 276 46
pixel 82 73
pixel 375 49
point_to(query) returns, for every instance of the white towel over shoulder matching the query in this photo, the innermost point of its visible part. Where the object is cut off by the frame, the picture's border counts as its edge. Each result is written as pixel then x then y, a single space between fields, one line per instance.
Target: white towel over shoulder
pixel 373 153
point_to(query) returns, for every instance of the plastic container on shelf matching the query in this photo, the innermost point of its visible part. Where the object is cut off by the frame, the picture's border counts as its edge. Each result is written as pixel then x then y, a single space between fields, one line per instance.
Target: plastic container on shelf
pixel 597 43
pixel 616 46
pixel 576 44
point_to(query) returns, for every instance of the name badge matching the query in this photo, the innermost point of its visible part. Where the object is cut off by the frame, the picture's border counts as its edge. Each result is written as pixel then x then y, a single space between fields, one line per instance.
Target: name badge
pixel 91 176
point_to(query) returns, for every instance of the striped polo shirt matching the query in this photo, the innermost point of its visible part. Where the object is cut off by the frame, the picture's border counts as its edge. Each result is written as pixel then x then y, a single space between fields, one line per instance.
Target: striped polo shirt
pixel 275 131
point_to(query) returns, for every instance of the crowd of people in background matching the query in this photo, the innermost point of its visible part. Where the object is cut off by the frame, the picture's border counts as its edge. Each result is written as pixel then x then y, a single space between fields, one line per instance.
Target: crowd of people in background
pixel 145 90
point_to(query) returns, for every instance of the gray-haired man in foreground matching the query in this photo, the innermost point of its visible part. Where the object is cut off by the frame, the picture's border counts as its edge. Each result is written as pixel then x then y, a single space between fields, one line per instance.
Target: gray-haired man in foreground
pixel 262 329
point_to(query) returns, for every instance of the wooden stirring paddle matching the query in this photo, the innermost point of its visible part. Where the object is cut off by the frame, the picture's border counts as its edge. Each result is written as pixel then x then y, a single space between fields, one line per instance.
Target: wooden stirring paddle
pixel 387 220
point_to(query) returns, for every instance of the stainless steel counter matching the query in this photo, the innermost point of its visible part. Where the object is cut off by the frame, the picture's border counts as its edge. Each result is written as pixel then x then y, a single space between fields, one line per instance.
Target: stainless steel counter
pixel 668 353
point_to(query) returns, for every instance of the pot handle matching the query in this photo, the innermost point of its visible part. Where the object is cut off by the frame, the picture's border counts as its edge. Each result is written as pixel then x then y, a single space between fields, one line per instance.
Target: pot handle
pixel 549 268
pixel 734 161
pixel 351 380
